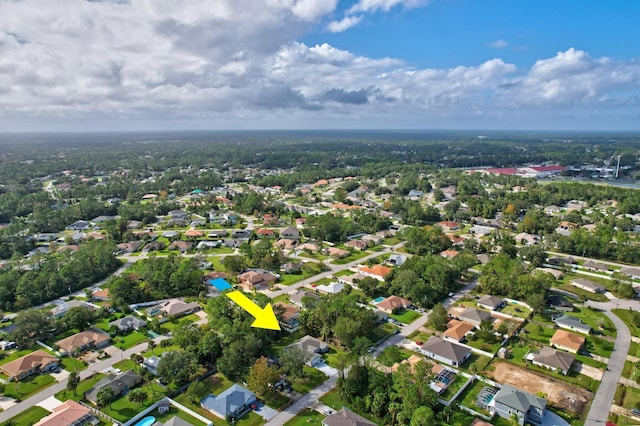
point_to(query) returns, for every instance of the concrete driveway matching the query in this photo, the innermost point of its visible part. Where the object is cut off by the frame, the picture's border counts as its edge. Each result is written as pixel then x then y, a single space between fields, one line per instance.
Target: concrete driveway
pixel 265 412
pixel 329 371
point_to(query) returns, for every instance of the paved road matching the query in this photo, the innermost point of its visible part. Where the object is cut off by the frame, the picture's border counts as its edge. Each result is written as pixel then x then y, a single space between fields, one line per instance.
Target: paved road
pixel 603 399
pixel 57 387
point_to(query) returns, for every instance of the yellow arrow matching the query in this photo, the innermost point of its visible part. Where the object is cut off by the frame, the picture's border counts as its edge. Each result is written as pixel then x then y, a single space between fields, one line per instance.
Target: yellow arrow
pixel 265 318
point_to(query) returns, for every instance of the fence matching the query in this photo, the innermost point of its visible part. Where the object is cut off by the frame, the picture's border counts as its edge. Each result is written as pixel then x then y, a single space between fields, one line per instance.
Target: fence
pixel 171 402
pixel 101 414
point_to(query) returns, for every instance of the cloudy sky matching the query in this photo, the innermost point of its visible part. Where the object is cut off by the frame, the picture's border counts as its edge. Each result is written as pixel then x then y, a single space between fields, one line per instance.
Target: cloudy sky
pixel 319 64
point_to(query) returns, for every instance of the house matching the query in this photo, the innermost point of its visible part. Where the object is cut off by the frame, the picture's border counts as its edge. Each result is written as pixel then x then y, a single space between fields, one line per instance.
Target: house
pixel 376 271
pixel 128 323
pixel 119 383
pixel 286 244
pixel 263 233
pixel 553 359
pixel 194 233
pixel 568 341
pixel 346 417
pixel 474 316
pixel 35 362
pixel 527 239
pixel 572 323
pixel 313 347
pixel 233 402
pixel 241 233
pixel 633 273
pixel 371 239
pixel 449 254
pixel 297 297
pixel 331 288
pixel 310 247
pixel 337 253
pixel 559 303
pixel 177 308
pixel 396 259
pixel 552 209
pixel 85 340
pixel 290 232
pixel 178 214
pixel 587 285
pixel 69 413
pixel 359 245
pixel 557 274
pixel 392 303
pixel 596 266
pixel 254 279
pixel 151 364
pixel 481 230
pixel 130 247
pixel 217 233
pixel 492 303
pixel 64 307
pixel 289 316
pixel 153 246
pixel 415 193
pixel 181 246
pixel 291 268
pixel 445 351
pixel 527 407
pixel 448 225
pixel 457 330
pixel 81 225
pixel 206 245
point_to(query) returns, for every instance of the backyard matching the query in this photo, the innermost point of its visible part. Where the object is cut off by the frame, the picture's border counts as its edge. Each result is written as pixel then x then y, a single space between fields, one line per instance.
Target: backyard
pixel 306 417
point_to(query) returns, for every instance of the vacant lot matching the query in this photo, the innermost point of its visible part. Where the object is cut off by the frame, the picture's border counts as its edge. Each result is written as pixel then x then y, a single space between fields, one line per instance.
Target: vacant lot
pixel 560 394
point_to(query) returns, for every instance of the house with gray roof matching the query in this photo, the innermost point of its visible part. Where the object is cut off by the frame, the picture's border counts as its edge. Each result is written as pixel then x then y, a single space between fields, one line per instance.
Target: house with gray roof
pixel 572 323
pixel 445 351
pixel 587 285
pixel 553 359
pixel 528 408
pixel 128 323
pixel 313 347
pixel 346 417
pixel 631 272
pixel 118 383
pixel 296 298
pixel 474 316
pixel 233 402
pixel 64 307
pixel 490 302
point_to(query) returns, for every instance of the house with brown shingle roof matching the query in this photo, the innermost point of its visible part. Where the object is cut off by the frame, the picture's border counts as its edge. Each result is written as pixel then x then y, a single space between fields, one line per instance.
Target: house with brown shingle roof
pixel 251 280
pixel 555 360
pixel 568 341
pixel 79 342
pixel 181 246
pixel 457 330
pixel 289 319
pixel 35 362
pixel 346 417
pixel 391 303
pixel 337 253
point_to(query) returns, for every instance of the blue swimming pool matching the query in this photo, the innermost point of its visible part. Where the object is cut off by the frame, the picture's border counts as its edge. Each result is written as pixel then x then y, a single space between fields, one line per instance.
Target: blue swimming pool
pixel 378 299
pixel 220 284
pixel 147 421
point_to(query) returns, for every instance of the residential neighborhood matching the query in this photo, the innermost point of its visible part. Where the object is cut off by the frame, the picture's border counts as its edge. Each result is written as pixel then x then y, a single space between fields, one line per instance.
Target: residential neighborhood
pixel 494 312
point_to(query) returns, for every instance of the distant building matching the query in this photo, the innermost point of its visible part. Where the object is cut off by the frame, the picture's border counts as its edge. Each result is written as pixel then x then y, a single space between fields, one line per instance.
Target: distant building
pixel 587 285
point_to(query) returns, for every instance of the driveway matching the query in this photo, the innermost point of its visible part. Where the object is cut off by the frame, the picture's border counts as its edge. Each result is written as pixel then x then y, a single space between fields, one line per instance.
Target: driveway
pixel 329 371
pixel 587 370
pixel 265 412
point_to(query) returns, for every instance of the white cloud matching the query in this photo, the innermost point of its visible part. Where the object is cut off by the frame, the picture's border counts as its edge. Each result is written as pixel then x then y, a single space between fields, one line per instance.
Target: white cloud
pixel 369 6
pixel 160 62
pixel 499 44
pixel 344 24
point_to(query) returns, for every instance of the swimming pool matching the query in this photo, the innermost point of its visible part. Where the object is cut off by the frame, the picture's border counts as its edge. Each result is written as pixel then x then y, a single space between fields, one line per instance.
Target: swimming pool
pixel 220 284
pixel 378 299
pixel 147 421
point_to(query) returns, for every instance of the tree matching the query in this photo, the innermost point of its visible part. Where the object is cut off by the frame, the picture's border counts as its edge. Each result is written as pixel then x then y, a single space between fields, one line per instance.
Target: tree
pixel 72 382
pixel 438 317
pixel 292 361
pixel 78 317
pixel 423 416
pixel 151 345
pixel 104 397
pixel 234 264
pixel 534 254
pixel 137 395
pixel 263 377
pixel 177 366
pixel 31 324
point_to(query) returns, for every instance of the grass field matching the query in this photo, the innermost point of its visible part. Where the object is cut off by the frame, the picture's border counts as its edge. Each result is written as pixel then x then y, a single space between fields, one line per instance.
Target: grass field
pixel 312 378
pixel 29 386
pixel 129 340
pixel 406 317
pixel 28 417
pixel 83 387
pixel 627 317
pixel 306 417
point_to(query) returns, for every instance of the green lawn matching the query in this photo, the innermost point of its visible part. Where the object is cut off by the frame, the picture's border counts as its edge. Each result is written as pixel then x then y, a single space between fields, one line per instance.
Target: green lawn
pixel 29 386
pixel 122 409
pixel 343 273
pixel 288 279
pixel 332 357
pixel 382 331
pixel 173 411
pixel 564 285
pixel 312 378
pixel 406 317
pixel 129 340
pixel 598 321
pixel 15 355
pixel 475 363
pixel 599 346
pixel 419 336
pixel 484 345
pixel 72 364
pixel 516 310
pixel 634 350
pixel 627 397
pixel 539 333
pixel 306 417
pixel 469 395
pixel 286 340
pixel 355 255
pixel 28 417
pixel 454 387
pixel 83 387
pixel 622 420
pixel 630 371
pixel 627 317
pixel 173 324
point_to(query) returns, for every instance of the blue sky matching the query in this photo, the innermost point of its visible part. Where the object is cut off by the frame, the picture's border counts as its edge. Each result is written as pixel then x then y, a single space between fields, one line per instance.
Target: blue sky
pixel 278 64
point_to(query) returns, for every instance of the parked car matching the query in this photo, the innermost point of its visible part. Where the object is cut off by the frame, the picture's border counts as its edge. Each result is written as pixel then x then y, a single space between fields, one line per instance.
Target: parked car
pixel 371 349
